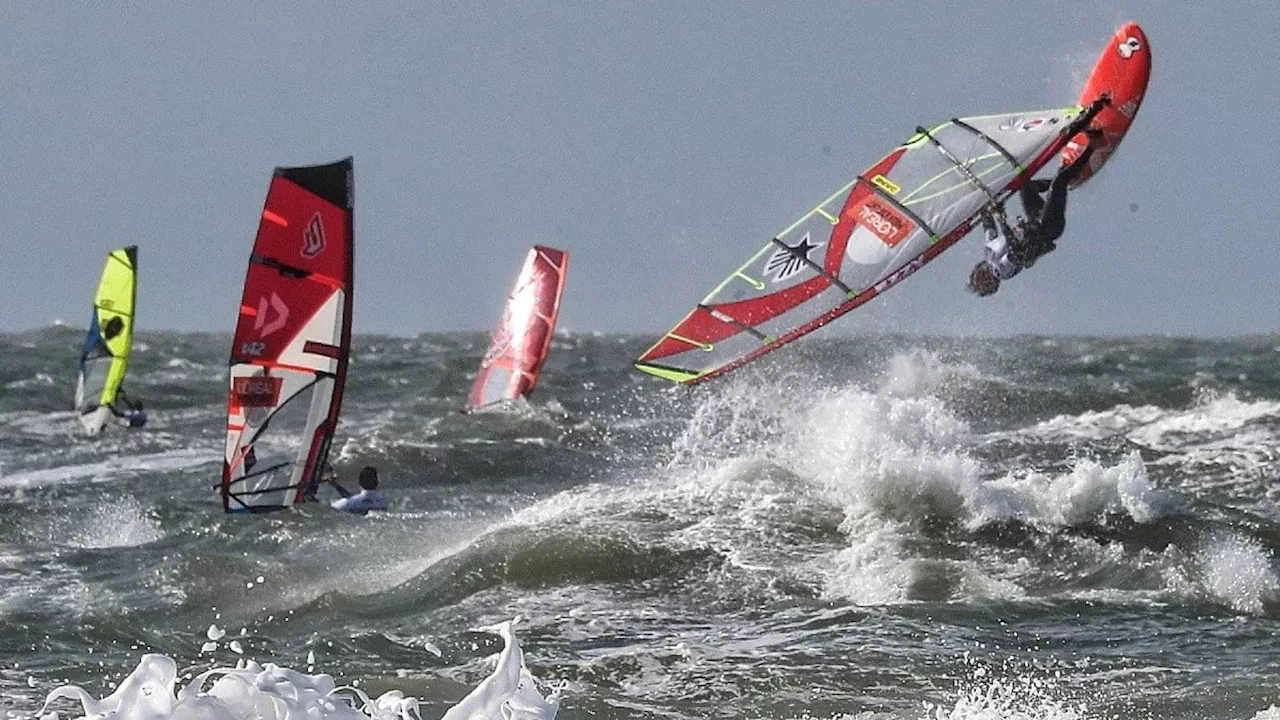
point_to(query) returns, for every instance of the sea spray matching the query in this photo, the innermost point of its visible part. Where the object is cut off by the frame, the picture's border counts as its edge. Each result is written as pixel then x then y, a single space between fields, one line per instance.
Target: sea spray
pixel 271 692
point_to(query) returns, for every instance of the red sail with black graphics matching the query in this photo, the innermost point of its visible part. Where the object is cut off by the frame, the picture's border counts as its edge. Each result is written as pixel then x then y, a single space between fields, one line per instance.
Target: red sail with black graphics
pixel 292 341
pixel 518 348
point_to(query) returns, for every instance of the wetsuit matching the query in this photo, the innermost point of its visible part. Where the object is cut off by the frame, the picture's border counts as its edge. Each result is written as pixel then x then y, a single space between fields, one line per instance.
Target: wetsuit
pixel 133 414
pixel 998 256
pixel 1011 250
pixel 1046 217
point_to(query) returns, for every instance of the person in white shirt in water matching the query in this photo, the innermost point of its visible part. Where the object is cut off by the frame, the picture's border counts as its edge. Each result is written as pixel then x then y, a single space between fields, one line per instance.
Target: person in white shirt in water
pixel 1009 251
pixel 369 497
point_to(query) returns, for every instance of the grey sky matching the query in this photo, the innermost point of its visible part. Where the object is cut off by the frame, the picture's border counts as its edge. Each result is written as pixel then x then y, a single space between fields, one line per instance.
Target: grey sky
pixel 661 143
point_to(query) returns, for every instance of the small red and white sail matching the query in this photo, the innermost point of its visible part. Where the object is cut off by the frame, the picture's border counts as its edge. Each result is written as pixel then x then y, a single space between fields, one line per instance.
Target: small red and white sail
pixel 292 340
pixel 518 347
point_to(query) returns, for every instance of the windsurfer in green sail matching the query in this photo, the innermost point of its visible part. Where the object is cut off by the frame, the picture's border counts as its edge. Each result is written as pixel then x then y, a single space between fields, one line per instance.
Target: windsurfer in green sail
pixel 128 410
pixel 133 413
pixel 1010 250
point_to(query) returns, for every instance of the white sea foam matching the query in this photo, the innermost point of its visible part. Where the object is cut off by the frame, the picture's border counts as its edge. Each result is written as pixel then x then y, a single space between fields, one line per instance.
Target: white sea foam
pixel 887 460
pixel 107 470
pixel 896 464
pixel 179 370
pixel 1237 571
pixel 1016 699
pixel 40 424
pixel 1219 442
pixel 1093 424
pixel 271 692
pixel 1089 493
pixel 898 457
pixel 123 523
pixel 919 372
pixel 1213 421
pixel 37 380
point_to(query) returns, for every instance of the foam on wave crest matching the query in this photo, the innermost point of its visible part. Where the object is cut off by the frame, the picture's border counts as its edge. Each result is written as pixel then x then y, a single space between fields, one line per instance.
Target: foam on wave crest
pixel 271 692
pixel 1089 493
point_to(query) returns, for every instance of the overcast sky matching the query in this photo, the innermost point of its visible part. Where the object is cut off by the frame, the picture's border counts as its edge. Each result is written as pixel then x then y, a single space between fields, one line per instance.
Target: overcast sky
pixel 660 143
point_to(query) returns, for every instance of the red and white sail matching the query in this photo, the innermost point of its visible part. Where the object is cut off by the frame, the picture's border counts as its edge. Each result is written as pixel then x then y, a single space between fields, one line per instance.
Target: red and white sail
pixel 868 236
pixel 292 340
pixel 518 347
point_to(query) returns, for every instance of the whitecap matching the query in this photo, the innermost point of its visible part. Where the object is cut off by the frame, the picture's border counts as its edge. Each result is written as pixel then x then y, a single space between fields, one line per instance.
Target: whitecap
pixel 272 692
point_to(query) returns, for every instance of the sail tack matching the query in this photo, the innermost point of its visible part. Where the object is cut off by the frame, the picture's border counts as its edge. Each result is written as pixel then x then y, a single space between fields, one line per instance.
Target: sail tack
pixel 518 347
pixel 865 238
pixel 104 359
pixel 292 341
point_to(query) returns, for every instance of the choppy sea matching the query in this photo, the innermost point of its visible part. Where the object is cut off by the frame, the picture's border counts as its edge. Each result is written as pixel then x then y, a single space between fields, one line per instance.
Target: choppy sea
pixel 1051 528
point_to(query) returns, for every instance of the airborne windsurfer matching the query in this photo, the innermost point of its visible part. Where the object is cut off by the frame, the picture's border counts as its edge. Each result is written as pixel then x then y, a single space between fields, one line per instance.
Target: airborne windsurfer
pixel 1010 250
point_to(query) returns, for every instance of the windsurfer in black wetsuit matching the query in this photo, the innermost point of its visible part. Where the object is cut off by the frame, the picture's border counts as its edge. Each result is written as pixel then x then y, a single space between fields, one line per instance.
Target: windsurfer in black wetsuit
pixel 1010 250
pixel 132 413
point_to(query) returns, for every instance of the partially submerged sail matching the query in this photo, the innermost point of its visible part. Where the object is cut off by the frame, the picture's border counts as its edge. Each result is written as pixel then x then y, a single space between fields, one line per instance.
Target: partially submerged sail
pixel 862 240
pixel 105 356
pixel 518 347
pixel 292 341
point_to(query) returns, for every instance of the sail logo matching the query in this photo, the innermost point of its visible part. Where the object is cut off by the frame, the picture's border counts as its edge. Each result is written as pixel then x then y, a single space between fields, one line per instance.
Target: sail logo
pixel 899 275
pixel 256 391
pixel 886 184
pixel 313 237
pixel 1035 124
pixel 788 260
pixel 1130 46
pixel 266 308
pixel 882 220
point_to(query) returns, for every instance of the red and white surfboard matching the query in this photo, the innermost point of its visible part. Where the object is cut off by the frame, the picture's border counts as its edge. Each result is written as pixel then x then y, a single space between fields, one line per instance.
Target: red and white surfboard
pixel 1122 70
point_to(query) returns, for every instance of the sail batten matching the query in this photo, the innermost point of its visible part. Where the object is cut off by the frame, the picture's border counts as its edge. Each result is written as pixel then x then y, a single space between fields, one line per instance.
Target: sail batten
pixel 292 342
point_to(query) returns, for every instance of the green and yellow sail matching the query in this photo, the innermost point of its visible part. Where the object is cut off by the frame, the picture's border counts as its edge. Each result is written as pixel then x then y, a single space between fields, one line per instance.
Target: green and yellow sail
pixel 105 357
